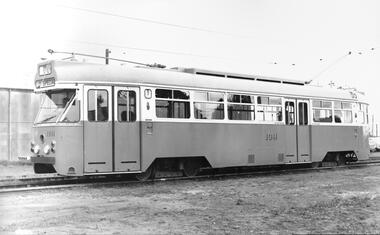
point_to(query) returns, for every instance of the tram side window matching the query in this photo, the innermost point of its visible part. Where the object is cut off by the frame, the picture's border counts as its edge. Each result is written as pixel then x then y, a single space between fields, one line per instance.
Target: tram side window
pixel 172 103
pixel 126 106
pixel 97 105
pixel 322 111
pixel 289 113
pixel 342 112
pixel 363 113
pixel 302 113
pixel 73 112
pixel 208 105
pixel 240 107
pixel 269 108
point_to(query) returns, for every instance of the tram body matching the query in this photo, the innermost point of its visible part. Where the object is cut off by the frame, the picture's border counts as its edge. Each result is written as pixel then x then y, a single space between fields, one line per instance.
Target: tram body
pixel 106 119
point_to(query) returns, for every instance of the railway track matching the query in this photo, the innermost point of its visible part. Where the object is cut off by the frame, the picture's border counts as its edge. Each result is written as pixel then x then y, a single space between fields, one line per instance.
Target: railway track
pixel 57 182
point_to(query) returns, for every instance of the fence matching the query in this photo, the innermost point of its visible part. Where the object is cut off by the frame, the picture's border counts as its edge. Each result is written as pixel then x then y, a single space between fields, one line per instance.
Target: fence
pixel 18 108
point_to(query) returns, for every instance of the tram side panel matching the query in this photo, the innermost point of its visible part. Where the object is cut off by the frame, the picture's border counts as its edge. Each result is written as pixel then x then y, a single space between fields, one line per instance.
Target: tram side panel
pixel 328 138
pixel 223 145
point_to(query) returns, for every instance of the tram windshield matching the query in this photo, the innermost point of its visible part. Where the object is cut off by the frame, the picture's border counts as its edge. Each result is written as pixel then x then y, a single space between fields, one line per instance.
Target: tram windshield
pixel 53 105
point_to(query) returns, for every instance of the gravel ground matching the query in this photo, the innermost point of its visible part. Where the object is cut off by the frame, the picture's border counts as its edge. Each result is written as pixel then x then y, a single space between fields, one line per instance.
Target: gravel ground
pixel 335 201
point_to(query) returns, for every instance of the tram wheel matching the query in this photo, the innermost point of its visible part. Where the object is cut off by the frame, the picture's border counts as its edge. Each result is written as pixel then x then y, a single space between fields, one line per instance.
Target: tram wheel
pixel 143 176
pixel 40 168
pixel 190 167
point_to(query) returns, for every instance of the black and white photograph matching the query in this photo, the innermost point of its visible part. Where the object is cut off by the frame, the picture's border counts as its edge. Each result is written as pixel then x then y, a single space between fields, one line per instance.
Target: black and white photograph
pixel 189 117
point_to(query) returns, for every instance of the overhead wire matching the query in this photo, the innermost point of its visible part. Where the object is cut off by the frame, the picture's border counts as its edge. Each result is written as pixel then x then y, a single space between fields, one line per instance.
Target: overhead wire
pixel 154 22
pixel 147 49
pixel 187 28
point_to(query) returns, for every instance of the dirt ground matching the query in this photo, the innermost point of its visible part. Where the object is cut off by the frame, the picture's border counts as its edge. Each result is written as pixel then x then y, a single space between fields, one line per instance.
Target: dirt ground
pixel 335 201
pixel 15 169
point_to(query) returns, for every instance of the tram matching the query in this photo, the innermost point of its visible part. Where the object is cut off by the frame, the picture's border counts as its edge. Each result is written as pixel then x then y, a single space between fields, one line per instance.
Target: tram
pixel 111 119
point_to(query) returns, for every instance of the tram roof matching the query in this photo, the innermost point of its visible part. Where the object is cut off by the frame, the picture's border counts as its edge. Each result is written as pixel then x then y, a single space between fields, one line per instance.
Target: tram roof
pixel 79 72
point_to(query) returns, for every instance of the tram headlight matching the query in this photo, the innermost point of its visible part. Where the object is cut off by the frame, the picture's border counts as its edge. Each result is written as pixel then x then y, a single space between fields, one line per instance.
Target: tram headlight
pixel 47 149
pixel 53 145
pixel 32 144
pixel 35 149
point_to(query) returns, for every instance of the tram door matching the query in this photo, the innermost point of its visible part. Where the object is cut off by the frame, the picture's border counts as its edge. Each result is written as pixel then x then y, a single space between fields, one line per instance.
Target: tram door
pixel 303 131
pixel 97 129
pixel 126 129
pixel 290 131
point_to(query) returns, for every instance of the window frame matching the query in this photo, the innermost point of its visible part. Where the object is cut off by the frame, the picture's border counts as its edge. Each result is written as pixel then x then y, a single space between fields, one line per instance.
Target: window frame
pixel 117 106
pixel 313 108
pixel 269 105
pixel 96 111
pixel 172 102
pixel 245 104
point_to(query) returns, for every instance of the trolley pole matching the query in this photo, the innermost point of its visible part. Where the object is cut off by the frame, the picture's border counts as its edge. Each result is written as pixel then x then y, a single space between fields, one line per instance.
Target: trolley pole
pixel 107 55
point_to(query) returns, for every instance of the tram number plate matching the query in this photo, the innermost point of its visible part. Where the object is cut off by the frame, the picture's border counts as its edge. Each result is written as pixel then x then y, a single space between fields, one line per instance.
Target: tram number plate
pixel 271 137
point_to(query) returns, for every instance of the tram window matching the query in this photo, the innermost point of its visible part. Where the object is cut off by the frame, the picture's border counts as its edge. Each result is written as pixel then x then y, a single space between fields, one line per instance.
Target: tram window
pixel 342 112
pixel 241 112
pixel 322 111
pixel 322 115
pixel 302 113
pixel 363 114
pixel 163 93
pixel 262 100
pixel 172 109
pixel 172 94
pixel 269 108
pixel 169 106
pixel 233 98
pixel 73 112
pixel 183 95
pixel 200 95
pixel 289 113
pixel 238 108
pixel 208 110
pixel 269 113
pixel 246 99
pixel 126 106
pixel 97 105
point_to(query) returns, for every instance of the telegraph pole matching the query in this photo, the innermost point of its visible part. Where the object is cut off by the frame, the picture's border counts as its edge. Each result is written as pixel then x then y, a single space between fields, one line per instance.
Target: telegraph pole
pixel 107 55
pixel 373 125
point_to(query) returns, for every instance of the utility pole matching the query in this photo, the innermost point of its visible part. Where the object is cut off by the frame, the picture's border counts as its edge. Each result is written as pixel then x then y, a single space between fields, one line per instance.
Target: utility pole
pixel 373 125
pixel 107 55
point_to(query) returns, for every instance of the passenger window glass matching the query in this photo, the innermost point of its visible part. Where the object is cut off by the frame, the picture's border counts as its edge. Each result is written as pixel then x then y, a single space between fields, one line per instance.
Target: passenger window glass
pixel 126 106
pixel 342 112
pixel 183 95
pixel 269 109
pixel 162 93
pixel 208 111
pixel 97 105
pixel 262 100
pixel 247 99
pixel 216 96
pixel 73 113
pixel 289 113
pixel 302 113
pixel 200 95
pixel 166 107
pixel 172 109
pixel 241 112
pixel 322 111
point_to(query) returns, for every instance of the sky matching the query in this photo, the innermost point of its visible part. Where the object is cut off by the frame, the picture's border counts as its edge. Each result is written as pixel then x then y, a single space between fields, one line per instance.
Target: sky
pixel 296 39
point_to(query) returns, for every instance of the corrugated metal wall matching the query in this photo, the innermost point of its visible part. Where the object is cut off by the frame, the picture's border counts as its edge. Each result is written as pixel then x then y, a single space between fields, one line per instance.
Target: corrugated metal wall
pixel 18 108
